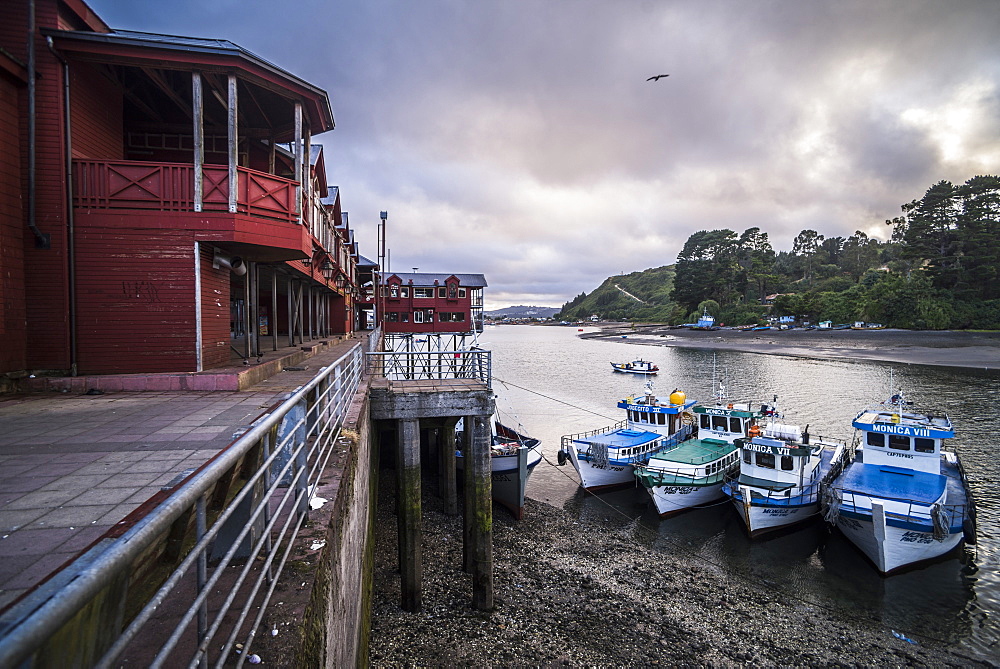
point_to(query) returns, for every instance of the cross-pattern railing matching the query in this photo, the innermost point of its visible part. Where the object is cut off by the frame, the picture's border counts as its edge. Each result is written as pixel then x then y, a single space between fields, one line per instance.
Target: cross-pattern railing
pixel 129 184
pixel 431 365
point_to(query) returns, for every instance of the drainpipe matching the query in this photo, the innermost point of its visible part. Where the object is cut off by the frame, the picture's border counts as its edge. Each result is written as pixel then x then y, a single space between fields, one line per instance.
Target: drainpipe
pixel 70 221
pixel 42 240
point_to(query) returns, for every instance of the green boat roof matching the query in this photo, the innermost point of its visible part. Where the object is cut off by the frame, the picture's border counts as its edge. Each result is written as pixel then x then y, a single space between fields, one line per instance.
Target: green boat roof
pixel 695 452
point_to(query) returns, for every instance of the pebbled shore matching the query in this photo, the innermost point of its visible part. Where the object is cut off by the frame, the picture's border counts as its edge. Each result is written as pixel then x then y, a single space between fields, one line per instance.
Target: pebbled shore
pixel 977 350
pixel 572 594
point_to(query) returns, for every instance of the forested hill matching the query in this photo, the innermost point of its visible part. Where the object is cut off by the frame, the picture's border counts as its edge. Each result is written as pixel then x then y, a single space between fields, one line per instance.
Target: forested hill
pixel 639 296
pixel 940 269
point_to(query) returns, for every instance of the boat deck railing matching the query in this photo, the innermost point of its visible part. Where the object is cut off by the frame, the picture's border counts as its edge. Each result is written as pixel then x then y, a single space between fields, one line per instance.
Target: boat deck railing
pixel 568 439
pixel 951 515
pixel 680 477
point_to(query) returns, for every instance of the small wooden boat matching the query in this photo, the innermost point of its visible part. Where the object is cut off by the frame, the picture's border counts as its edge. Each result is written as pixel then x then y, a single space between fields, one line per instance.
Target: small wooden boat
pixel 635 367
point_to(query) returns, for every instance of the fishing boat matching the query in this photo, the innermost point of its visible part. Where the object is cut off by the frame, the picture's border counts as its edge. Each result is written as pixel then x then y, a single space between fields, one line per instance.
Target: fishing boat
pixel 903 500
pixel 639 366
pixel 513 457
pixel 691 473
pixel 605 458
pixel 781 472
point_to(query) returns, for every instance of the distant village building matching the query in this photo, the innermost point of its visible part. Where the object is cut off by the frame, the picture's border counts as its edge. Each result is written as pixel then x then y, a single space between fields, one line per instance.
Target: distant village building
pixel 421 302
pixel 170 212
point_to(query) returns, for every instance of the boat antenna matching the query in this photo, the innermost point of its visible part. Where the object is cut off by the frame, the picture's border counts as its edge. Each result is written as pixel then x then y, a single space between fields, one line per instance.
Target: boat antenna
pixel 649 386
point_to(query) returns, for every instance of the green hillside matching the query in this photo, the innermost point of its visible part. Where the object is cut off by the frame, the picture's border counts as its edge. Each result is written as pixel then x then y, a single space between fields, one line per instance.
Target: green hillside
pixel 639 296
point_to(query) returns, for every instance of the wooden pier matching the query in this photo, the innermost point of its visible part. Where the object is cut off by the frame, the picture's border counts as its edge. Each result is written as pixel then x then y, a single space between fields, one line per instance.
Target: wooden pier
pixel 440 403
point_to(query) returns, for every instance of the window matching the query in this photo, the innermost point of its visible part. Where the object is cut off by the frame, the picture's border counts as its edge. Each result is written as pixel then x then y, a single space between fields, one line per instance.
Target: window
pixel 705 422
pixel 899 443
pixel 875 439
pixel 923 445
pixel 661 419
pixel 765 460
pixel 735 425
pixel 719 423
pixel 404 291
pixel 442 291
pixel 394 290
pixel 423 292
pixel 404 316
pixel 747 457
pixel 418 316
pixel 452 291
pixel 393 317
pixel 786 463
pixel 461 293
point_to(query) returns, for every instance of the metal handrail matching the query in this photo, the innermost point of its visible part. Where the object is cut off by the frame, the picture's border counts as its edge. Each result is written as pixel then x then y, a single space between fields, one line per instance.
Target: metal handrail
pixel 292 445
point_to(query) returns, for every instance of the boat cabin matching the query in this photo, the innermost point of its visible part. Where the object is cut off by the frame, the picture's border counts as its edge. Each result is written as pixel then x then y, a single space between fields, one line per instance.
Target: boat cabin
pixel 778 464
pixel 664 416
pixel 726 423
pixel 899 437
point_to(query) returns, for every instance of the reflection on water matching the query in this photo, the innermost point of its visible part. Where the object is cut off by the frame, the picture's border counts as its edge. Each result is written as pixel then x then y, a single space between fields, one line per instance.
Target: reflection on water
pixel 555 384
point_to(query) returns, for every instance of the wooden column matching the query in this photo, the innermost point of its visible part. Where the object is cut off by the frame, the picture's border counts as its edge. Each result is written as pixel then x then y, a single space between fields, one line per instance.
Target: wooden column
pixel 409 522
pixel 482 523
pixel 198 130
pixel 233 143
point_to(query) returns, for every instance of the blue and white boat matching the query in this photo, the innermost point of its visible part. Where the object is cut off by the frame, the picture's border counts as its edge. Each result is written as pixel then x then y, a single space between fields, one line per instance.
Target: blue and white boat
pixel 903 499
pixel 606 458
pixel 782 469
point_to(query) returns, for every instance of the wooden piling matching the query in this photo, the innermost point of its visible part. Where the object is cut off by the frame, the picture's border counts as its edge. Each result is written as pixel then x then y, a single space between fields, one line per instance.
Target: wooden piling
pixel 449 484
pixel 482 525
pixel 410 521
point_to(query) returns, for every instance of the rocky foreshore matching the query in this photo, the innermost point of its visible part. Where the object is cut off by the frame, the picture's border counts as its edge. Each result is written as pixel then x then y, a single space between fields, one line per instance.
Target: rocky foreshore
pixel 595 594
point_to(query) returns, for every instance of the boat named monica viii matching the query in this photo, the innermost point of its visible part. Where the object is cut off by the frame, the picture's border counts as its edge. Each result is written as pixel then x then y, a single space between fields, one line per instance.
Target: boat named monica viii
pixel 902 500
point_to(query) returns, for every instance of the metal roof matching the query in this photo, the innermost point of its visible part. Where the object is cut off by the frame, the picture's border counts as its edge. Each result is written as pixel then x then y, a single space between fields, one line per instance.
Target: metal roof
pixel 428 279
pixel 218 47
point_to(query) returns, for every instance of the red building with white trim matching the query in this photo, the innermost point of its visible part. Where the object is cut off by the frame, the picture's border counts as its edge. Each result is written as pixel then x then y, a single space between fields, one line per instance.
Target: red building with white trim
pixel 424 302
pixel 162 204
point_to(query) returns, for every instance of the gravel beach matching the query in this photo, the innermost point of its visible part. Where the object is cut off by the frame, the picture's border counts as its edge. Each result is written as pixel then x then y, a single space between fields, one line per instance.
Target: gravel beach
pixel 950 348
pixel 597 594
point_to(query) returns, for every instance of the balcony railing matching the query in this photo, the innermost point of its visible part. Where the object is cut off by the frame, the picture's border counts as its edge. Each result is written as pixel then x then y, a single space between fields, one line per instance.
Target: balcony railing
pixel 127 184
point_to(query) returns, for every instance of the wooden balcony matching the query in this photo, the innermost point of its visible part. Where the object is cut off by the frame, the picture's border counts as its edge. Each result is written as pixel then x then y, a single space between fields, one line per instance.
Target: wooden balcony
pixel 127 184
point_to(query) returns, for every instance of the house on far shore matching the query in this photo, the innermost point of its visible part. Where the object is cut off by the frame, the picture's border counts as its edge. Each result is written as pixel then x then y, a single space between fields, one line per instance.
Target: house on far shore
pixel 422 302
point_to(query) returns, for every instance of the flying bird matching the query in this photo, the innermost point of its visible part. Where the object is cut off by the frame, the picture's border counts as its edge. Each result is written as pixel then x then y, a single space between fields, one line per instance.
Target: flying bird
pixel 657 77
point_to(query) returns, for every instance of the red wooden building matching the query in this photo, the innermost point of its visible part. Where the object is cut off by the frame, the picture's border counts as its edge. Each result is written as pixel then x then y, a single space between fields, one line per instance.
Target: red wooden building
pixel 423 302
pixel 162 204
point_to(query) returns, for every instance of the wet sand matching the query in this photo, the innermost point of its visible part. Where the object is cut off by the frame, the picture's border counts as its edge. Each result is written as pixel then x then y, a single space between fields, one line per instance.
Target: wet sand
pixel 949 348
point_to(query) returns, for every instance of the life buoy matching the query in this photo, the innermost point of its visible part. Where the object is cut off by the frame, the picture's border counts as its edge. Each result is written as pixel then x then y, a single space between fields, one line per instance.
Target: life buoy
pixel 561 457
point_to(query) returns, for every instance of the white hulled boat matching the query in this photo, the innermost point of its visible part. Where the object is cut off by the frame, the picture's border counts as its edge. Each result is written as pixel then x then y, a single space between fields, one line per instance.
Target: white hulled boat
pixel 513 457
pixel 605 458
pixel 691 473
pixel 902 500
pixel 780 475
pixel 639 366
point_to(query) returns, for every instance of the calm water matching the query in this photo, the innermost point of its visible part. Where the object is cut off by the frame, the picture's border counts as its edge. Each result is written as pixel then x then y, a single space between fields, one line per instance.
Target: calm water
pixel 555 383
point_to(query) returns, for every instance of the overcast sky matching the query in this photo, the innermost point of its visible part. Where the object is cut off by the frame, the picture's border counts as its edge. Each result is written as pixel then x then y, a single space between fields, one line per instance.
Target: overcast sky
pixel 520 139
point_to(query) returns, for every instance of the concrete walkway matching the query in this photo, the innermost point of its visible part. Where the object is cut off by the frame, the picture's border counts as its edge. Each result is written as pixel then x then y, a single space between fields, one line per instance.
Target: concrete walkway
pixel 72 465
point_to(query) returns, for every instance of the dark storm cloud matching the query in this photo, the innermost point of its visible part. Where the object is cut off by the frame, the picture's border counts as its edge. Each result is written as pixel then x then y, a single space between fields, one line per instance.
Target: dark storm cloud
pixel 520 138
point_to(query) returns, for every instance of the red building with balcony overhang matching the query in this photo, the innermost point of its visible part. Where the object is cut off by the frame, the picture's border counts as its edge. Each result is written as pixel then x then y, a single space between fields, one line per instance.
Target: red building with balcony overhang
pixel 421 302
pixel 162 204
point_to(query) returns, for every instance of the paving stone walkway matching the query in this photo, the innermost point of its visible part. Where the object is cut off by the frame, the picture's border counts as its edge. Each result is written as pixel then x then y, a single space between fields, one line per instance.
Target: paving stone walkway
pixel 73 465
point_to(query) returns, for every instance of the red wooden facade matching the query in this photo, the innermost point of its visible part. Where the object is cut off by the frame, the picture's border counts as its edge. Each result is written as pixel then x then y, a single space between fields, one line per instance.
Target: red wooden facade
pixel 430 303
pixel 117 270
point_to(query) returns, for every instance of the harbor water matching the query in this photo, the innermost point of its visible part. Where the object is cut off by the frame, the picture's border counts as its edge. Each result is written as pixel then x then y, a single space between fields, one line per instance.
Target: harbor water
pixel 555 383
